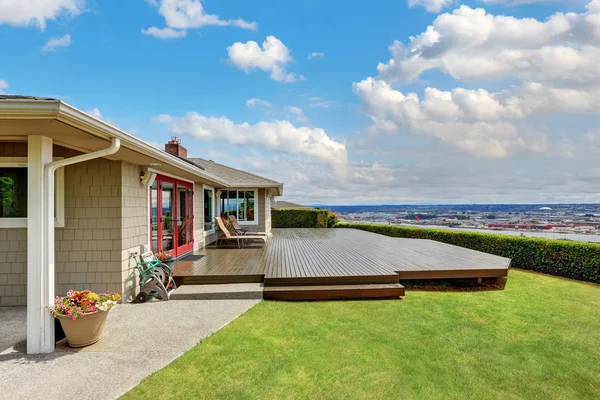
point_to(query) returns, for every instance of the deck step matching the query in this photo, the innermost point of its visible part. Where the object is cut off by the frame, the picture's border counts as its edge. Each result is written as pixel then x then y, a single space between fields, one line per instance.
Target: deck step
pixel 331 280
pixel 331 292
pixel 218 292
pixel 217 279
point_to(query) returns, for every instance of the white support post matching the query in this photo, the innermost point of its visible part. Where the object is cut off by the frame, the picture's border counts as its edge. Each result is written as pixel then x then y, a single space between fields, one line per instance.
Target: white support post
pixel 40 246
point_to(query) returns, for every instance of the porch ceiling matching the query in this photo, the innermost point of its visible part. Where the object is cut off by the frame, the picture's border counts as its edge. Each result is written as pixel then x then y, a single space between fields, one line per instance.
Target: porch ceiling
pixel 77 139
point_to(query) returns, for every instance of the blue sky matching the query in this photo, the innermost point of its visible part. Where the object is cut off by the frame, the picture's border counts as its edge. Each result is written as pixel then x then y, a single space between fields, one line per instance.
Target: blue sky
pixel 494 103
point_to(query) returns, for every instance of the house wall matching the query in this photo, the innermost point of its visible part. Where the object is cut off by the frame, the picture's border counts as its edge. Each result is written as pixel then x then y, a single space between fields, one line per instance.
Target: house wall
pixel 87 249
pixel 106 218
pixel 85 252
pixel 267 213
pixel 13 267
pixel 135 221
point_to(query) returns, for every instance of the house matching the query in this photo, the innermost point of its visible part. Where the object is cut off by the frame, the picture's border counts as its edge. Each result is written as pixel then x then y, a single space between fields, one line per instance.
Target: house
pixel 78 196
pixel 280 204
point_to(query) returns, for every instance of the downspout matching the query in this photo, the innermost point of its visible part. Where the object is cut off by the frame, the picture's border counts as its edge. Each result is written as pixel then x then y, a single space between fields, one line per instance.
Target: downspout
pixel 46 338
pixel 54 165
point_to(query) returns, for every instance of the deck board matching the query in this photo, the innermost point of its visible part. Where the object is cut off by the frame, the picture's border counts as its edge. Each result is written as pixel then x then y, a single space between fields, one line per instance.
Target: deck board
pixel 332 256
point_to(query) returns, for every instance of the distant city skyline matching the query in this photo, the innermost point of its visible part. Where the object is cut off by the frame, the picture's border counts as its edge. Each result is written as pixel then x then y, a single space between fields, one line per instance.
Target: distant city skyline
pixel 406 101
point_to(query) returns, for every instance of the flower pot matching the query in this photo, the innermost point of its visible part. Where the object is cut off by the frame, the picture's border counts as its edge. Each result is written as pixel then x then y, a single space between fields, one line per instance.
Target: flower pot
pixel 85 330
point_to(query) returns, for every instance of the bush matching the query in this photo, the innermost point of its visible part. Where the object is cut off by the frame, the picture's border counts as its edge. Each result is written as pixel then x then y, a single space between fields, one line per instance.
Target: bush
pixel 302 218
pixel 574 260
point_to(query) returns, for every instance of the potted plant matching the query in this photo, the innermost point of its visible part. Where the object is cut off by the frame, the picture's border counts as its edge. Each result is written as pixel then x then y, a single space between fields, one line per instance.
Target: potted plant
pixel 167 258
pixel 82 315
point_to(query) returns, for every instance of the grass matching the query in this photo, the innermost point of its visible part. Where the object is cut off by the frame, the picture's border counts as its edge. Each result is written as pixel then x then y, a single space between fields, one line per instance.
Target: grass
pixel 539 338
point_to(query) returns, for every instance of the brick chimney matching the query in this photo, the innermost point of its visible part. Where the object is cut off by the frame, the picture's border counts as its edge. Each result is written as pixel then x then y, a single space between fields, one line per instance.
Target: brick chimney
pixel 174 147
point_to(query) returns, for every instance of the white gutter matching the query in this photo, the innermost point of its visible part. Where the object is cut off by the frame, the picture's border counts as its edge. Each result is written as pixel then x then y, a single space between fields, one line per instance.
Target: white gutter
pixel 114 147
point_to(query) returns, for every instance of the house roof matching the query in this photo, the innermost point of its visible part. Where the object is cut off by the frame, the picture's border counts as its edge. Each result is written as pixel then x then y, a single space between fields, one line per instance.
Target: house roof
pixel 286 204
pixel 19 97
pixel 236 177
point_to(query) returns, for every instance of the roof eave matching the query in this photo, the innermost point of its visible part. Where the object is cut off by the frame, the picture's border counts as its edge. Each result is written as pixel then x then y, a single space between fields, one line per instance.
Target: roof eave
pixel 278 186
pixel 63 112
pixel 75 117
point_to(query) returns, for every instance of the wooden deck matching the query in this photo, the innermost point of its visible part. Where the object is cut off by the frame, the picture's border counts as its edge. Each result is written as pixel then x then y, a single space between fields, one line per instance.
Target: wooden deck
pixel 337 263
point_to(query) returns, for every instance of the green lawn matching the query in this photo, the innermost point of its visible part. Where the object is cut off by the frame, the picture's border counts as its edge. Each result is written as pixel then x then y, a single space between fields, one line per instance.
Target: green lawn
pixel 537 339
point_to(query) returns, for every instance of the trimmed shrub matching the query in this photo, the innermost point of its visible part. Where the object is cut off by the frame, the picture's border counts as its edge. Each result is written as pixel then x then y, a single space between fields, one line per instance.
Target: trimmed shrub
pixel 574 260
pixel 302 218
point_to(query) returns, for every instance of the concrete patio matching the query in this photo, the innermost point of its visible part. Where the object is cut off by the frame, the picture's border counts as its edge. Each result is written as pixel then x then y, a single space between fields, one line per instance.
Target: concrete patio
pixel 139 339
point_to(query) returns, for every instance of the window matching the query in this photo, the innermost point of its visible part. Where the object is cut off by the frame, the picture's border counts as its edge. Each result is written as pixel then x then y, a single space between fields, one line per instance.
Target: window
pixel 241 204
pixel 209 210
pixel 13 193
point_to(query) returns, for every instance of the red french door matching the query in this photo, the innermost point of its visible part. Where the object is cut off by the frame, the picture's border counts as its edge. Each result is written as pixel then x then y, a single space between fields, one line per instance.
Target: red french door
pixel 172 216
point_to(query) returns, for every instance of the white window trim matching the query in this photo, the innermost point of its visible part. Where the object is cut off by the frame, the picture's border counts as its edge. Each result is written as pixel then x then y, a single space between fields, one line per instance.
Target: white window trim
pixel 213 230
pixel 256 201
pixel 59 192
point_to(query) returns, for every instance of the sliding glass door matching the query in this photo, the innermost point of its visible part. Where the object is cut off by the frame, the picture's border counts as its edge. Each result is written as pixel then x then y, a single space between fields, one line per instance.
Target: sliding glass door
pixel 171 216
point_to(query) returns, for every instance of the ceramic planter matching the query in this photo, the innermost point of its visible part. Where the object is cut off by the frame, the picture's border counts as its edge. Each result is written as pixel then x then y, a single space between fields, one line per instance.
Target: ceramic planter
pixel 85 330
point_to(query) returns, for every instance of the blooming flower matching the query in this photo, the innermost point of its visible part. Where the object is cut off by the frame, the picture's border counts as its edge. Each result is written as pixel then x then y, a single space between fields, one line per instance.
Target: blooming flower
pixel 78 303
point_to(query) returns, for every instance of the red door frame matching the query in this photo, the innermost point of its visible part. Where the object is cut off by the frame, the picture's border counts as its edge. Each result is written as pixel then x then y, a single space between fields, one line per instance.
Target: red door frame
pixel 189 221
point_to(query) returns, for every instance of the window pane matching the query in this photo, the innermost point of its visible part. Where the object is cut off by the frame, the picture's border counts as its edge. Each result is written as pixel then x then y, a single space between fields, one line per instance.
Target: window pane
pixel 232 204
pixel 241 215
pixel 208 210
pixel 249 208
pixel 223 207
pixel 13 192
pixel 168 191
pixel 182 215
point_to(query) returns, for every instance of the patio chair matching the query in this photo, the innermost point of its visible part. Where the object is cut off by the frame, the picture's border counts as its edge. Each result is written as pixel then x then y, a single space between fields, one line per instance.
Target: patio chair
pixel 238 228
pixel 240 239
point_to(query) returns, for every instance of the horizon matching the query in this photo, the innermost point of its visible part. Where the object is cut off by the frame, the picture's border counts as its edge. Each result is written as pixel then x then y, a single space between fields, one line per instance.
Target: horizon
pixel 458 204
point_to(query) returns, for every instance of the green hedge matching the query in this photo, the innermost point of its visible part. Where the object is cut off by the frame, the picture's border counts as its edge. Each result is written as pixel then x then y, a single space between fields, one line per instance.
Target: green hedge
pixel 302 218
pixel 574 260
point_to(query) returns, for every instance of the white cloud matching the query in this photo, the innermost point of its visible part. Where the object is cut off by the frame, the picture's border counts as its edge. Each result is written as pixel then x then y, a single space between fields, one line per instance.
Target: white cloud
pixel 3 86
pixel 94 112
pixel 435 6
pixel 54 44
pixel 430 5
pixel 272 57
pixel 164 33
pixel 317 102
pixel 435 178
pixel 476 121
pixel 181 15
pixel 316 54
pixel 37 12
pixel 471 44
pixel 258 103
pixel 552 65
pixel 297 112
pixel 279 136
